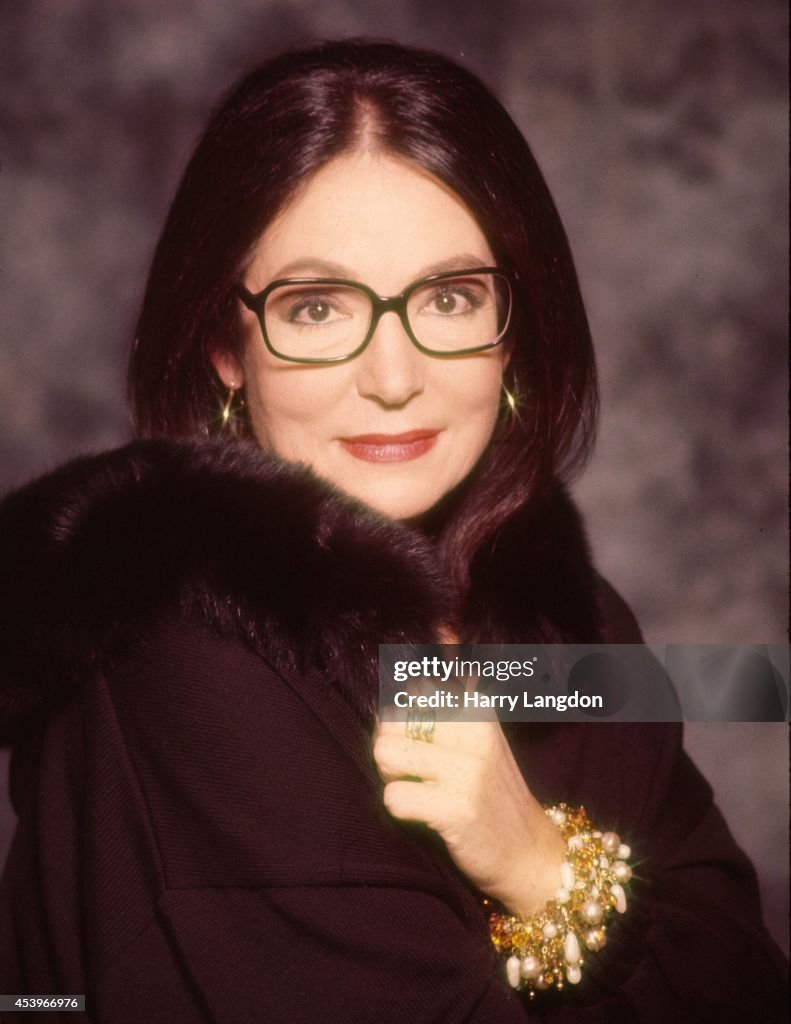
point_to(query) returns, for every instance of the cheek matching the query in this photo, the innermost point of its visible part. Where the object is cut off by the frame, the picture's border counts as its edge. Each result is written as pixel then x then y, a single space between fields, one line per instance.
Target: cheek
pixel 290 406
pixel 477 398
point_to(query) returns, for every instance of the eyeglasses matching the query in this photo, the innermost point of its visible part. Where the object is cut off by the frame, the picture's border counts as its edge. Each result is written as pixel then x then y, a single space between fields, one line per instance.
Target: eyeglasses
pixel 330 320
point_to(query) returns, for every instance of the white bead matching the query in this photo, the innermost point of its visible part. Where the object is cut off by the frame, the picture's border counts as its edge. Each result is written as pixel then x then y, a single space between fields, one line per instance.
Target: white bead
pixel 624 852
pixel 574 842
pixel 604 863
pixel 620 898
pixel 541 982
pixel 550 930
pixel 567 875
pixel 621 871
pixel 558 816
pixel 610 842
pixel 562 895
pixel 596 835
pixel 531 967
pixel 595 892
pixel 572 948
pixel 592 911
pixel 513 969
pixel 573 974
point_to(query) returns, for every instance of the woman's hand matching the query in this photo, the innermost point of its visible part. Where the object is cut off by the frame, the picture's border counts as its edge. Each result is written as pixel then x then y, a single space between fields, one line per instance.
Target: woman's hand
pixel 470 791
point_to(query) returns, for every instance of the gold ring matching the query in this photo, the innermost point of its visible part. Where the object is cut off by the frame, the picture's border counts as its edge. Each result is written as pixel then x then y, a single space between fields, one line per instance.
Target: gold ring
pixel 420 724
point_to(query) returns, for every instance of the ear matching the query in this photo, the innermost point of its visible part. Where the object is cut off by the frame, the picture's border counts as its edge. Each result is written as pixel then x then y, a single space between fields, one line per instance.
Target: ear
pixel 228 368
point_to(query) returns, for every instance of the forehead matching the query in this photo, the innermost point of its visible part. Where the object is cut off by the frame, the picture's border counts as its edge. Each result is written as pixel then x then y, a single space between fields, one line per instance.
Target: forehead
pixel 378 218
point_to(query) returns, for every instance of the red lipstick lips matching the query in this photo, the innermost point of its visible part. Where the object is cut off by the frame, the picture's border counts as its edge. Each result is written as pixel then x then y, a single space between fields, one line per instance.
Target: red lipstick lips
pixel 390 447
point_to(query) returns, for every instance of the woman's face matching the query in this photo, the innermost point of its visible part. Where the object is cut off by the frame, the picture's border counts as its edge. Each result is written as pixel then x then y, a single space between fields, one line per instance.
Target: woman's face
pixel 393 427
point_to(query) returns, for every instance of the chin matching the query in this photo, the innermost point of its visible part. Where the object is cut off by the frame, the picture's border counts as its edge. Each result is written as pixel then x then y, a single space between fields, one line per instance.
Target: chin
pixel 396 504
pixel 400 511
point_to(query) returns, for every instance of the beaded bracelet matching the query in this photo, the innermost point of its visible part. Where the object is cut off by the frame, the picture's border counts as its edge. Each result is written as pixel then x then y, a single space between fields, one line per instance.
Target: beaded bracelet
pixel 544 949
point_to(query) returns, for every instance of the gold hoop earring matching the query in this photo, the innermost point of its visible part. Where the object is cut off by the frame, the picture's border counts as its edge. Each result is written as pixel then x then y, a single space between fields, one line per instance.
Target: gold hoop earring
pixel 510 400
pixel 511 404
pixel 225 415
pixel 231 408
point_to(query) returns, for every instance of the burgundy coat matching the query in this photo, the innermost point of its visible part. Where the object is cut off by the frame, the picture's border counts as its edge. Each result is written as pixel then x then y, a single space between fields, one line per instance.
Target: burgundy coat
pixel 190 648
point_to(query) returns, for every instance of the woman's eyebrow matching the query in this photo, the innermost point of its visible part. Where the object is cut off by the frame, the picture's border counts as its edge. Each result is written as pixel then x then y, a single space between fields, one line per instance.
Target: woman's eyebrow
pixel 314 267
pixel 462 261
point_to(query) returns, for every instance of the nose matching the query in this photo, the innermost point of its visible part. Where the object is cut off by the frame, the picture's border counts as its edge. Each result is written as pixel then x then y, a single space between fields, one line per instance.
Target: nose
pixel 391 370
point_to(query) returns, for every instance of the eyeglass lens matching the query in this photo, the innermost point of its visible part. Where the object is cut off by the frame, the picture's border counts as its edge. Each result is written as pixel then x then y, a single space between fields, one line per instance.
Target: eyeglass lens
pixel 330 321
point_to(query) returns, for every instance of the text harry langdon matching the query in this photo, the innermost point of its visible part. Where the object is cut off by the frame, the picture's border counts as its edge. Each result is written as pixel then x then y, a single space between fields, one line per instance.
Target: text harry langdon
pixel 449 699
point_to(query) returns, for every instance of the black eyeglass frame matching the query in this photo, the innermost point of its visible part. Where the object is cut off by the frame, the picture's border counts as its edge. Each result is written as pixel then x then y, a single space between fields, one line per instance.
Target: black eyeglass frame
pixel 380 304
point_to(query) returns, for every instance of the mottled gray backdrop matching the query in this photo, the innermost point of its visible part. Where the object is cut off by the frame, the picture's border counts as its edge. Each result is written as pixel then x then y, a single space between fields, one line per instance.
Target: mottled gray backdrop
pixel 662 128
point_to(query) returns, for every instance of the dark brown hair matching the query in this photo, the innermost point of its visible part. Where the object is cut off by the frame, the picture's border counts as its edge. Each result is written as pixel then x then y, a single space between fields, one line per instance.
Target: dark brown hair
pixel 282 123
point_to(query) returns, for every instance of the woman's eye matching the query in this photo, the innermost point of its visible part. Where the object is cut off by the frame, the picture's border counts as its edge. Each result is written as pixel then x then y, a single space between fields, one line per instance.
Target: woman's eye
pixel 452 302
pixel 313 310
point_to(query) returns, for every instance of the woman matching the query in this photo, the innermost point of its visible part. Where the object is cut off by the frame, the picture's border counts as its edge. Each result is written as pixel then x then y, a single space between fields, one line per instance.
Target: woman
pixel 364 289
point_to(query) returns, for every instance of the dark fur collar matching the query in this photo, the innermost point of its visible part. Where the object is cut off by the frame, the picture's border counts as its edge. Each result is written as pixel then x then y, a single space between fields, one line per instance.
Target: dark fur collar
pixel 93 553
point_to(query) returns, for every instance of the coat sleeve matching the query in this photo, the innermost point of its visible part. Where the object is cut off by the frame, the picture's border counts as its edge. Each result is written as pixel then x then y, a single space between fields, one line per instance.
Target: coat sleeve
pixel 697 908
pixel 692 946
pixel 282 889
